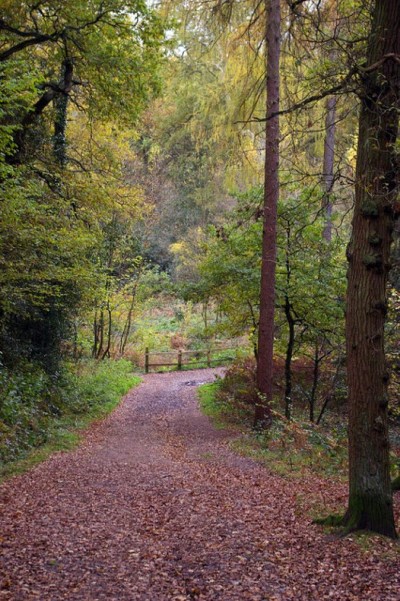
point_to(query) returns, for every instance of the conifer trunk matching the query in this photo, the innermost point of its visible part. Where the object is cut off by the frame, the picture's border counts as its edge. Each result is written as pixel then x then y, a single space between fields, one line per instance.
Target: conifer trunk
pixel 370 496
pixel 329 156
pixel 262 415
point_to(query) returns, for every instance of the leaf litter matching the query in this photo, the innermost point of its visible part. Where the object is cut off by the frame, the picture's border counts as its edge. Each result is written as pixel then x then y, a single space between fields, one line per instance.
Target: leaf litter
pixel 154 506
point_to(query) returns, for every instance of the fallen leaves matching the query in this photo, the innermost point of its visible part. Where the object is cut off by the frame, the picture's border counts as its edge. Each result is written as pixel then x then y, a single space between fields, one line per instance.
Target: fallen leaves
pixel 137 513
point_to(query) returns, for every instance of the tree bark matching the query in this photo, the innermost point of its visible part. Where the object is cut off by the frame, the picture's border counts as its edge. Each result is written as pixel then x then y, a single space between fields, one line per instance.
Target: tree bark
pixel 60 120
pixel 329 155
pixel 107 352
pixel 289 358
pixel 370 496
pixel 262 417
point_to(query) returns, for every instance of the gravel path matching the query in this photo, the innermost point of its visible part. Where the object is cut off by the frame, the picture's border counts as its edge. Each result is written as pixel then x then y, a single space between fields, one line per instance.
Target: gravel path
pixel 154 507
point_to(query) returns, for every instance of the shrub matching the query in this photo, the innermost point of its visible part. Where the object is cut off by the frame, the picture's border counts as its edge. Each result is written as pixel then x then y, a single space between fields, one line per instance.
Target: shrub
pixel 32 402
pixel 238 388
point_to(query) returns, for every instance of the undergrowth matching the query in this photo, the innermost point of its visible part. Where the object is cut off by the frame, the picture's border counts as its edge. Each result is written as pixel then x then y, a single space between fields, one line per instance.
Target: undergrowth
pixel 41 414
pixel 290 448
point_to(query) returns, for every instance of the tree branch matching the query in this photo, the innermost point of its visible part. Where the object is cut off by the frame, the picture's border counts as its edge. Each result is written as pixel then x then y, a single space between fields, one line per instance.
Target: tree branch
pixel 35 37
pixel 64 87
pixel 38 39
pixel 334 90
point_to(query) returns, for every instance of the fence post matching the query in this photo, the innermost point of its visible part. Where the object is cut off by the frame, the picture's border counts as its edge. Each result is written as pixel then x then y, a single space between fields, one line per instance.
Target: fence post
pixel 179 359
pixel 208 358
pixel 146 360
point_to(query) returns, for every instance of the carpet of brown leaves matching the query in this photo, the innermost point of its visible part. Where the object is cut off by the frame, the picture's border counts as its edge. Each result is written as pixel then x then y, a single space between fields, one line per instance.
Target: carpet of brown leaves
pixel 153 506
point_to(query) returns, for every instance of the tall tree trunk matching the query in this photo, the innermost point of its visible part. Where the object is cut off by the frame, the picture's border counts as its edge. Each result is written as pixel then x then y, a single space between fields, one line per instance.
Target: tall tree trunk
pixel 329 155
pixel 262 417
pixel 370 497
pixel 291 325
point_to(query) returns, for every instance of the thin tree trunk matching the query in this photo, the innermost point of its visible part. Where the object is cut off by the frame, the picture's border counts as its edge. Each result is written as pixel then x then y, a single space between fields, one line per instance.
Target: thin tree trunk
pixel 291 323
pixel 205 317
pixel 288 360
pixel 255 328
pixel 328 397
pixel 263 416
pixel 95 336
pixel 370 495
pixel 314 386
pixel 128 325
pixel 329 155
pixel 107 352
pixel 100 335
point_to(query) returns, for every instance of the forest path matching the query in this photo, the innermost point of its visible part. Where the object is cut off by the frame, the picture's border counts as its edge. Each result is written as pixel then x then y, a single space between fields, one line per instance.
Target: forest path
pixel 153 506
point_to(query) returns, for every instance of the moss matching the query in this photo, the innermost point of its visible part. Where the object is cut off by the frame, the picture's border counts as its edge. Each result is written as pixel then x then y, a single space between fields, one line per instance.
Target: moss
pixel 334 520
pixel 375 240
pixel 366 512
pixel 210 407
pixel 369 208
pixel 372 261
pixel 369 511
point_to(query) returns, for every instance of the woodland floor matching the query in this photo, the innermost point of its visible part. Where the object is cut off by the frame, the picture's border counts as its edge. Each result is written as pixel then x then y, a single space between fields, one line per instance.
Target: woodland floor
pixel 154 506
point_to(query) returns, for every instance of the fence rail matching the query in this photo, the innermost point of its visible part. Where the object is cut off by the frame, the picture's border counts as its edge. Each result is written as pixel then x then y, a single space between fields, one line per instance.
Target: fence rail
pixel 209 357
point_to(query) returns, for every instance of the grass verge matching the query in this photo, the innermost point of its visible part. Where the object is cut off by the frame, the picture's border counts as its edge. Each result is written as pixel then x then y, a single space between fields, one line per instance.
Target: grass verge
pixel 209 406
pixel 85 395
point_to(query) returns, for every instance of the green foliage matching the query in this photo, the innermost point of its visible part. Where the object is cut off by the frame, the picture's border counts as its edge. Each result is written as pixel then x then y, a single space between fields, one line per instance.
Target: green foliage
pixel 57 215
pixel 115 46
pixel 155 283
pixel 309 275
pixel 237 391
pixel 37 408
pixel 208 405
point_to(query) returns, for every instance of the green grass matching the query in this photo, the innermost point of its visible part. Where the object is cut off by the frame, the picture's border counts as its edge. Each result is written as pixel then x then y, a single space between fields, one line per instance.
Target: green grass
pixel 208 405
pixel 87 395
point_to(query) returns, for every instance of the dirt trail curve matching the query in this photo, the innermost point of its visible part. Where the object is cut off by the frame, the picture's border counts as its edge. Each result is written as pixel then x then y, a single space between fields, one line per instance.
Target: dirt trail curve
pixel 153 506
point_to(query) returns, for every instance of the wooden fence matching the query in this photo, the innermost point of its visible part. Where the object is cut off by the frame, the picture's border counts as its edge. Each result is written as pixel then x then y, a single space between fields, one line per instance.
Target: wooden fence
pixel 179 359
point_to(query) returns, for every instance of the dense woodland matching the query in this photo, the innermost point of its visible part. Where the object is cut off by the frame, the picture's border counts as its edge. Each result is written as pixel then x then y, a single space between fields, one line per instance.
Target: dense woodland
pixel 202 174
